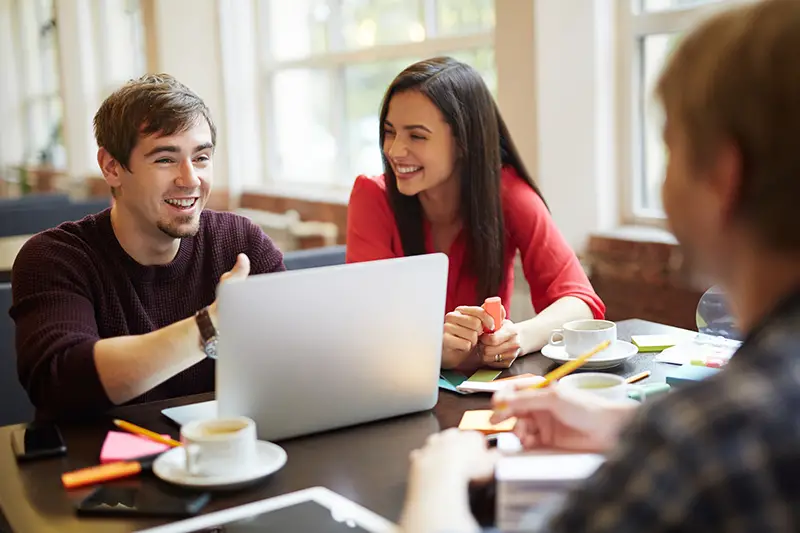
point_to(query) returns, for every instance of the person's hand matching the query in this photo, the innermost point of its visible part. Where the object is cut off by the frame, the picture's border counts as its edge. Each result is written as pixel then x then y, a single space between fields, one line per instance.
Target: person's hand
pixel 570 419
pixel 240 270
pixel 462 329
pixel 461 456
pixel 501 348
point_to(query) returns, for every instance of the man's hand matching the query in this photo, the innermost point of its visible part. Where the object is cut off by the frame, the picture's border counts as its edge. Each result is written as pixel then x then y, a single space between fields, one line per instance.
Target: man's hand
pixel 567 419
pixel 240 270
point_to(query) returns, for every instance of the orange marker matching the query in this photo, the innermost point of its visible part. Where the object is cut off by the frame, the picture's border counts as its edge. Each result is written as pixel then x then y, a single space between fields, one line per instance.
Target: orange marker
pixel 106 472
pixel 494 307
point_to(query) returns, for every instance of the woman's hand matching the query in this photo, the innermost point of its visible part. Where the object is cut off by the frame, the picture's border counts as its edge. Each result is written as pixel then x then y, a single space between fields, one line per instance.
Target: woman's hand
pixel 501 348
pixel 462 330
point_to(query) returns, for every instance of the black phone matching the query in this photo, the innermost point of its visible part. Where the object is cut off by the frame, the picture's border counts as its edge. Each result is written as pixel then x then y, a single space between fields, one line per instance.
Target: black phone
pixel 143 500
pixel 36 441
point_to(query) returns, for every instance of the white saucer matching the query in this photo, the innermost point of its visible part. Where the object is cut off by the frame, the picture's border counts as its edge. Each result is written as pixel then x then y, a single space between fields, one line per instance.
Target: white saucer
pixel 170 466
pixel 614 355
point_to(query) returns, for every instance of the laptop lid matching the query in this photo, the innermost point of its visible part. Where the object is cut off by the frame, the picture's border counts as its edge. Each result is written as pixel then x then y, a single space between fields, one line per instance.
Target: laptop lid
pixel 310 350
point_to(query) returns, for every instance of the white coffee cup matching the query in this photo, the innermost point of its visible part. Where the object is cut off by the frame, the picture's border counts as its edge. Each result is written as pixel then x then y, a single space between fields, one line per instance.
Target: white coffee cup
pixel 580 336
pixel 219 446
pixel 608 386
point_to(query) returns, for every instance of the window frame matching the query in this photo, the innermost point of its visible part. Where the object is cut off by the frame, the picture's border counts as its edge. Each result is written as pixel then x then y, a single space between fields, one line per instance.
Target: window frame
pixel 335 62
pixel 634 25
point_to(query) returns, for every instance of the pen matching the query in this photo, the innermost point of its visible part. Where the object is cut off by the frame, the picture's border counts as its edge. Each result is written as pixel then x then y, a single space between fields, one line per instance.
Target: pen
pixel 638 377
pixel 133 428
pixel 564 369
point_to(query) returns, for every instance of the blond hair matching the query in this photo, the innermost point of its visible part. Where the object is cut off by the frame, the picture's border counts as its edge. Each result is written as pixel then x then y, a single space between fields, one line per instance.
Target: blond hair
pixel 736 78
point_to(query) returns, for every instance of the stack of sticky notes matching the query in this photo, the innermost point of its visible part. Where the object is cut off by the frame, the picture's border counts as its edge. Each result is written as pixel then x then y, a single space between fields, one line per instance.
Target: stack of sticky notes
pixel 528 479
pixel 478 420
pixel 120 446
pixel 653 343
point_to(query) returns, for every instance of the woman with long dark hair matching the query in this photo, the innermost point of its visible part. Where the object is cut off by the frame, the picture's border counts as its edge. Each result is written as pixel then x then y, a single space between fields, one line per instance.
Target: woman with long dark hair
pixel 453 182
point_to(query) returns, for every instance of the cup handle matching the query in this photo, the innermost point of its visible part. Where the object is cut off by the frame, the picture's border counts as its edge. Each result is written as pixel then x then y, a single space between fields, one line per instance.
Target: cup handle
pixel 557 333
pixel 192 452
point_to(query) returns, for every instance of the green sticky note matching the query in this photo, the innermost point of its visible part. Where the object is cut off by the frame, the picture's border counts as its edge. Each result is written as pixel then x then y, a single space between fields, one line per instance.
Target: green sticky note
pixel 653 343
pixel 485 376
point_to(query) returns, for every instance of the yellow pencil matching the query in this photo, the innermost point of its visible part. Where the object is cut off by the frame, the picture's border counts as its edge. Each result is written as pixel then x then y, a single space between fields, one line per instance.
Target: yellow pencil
pixel 133 428
pixel 638 377
pixel 564 369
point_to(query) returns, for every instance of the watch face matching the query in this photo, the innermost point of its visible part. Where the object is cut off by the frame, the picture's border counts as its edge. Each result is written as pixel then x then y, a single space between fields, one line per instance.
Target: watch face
pixel 211 348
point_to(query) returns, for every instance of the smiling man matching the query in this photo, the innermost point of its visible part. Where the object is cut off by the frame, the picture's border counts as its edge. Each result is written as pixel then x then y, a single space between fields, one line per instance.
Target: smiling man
pixel 120 307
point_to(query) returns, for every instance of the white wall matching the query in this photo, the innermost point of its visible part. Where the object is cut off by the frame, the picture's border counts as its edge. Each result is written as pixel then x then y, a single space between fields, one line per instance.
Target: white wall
pixel 575 102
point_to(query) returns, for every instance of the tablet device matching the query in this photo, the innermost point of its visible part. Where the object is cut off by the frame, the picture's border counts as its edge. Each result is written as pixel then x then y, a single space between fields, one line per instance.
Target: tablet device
pixel 314 510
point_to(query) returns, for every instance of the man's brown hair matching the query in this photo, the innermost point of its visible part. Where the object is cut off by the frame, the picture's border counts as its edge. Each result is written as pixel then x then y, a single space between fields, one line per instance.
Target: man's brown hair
pixel 736 78
pixel 153 103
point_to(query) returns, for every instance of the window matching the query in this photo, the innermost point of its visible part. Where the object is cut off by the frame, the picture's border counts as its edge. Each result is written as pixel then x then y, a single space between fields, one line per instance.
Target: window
pixel 654 28
pixel 37 38
pixel 327 63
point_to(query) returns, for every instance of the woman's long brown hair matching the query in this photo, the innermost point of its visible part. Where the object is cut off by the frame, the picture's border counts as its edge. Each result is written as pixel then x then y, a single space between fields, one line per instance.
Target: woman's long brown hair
pixel 483 147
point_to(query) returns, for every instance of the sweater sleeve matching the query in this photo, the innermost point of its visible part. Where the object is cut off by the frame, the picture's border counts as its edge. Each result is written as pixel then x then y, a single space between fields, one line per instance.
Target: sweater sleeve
pixel 370 222
pixel 551 267
pixel 264 256
pixel 56 330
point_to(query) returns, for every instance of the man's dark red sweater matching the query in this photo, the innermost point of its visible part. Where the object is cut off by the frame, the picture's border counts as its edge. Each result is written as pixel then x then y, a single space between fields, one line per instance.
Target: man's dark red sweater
pixel 74 285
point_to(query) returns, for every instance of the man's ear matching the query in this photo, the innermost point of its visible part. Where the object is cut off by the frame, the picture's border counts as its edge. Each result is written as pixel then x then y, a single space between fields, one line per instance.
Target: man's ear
pixel 110 167
pixel 727 178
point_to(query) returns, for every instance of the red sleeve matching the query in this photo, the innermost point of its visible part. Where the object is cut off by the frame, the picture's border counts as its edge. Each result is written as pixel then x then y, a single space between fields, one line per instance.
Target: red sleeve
pixel 370 222
pixel 56 331
pixel 551 267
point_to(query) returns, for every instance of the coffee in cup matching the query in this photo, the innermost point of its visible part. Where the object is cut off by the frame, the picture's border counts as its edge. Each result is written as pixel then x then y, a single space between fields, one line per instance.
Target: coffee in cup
pixel 219 446
pixel 580 336
pixel 608 386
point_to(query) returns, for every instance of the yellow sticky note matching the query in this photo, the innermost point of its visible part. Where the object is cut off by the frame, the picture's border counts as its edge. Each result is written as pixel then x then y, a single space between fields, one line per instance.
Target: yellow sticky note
pixel 478 420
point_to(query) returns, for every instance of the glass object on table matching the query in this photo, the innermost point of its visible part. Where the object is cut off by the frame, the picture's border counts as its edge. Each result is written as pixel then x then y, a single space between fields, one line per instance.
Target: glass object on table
pixel 714 317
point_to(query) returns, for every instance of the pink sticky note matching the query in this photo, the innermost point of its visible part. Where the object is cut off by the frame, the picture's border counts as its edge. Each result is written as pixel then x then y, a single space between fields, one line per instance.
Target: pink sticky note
pixel 120 446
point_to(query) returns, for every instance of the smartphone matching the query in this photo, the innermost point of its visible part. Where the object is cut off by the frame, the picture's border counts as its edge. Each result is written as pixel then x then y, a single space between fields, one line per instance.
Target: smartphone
pixel 143 500
pixel 36 441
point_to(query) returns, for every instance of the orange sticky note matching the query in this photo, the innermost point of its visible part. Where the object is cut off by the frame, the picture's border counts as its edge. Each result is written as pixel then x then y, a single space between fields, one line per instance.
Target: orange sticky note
pixel 493 306
pixel 478 420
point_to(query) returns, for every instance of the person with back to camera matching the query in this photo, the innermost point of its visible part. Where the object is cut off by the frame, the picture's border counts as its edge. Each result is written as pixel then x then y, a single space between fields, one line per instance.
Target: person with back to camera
pixel 453 182
pixel 722 454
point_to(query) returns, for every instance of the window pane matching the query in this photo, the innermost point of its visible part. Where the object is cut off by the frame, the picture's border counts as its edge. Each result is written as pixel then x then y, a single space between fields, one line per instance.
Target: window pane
pixel 367 23
pixel 365 85
pixel 302 132
pixel 297 28
pixel 655 50
pixel 664 5
pixel 125 40
pixel 454 17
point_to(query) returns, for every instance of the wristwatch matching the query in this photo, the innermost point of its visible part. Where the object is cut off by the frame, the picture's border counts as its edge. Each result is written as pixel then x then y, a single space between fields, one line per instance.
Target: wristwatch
pixel 208 333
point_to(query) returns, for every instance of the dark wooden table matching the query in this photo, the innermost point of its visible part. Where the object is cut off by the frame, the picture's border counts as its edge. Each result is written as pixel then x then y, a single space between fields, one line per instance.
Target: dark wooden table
pixel 366 463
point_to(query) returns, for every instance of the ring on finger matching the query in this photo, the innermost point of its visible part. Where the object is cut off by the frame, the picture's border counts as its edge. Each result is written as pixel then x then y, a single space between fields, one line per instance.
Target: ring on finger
pixel 498 358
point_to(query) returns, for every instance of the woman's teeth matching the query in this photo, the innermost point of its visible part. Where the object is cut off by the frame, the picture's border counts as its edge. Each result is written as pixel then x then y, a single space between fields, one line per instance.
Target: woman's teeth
pixel 408 170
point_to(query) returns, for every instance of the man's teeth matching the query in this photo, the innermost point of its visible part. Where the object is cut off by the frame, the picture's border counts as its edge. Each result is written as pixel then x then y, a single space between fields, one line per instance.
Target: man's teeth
pixel 407 170
pixel 189 202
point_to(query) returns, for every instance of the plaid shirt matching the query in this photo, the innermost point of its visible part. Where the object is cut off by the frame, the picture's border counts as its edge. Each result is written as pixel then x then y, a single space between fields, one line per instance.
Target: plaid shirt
pixel 719 455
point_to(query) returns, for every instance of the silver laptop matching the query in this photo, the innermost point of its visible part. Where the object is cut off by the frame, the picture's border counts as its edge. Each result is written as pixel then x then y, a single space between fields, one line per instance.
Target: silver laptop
pixel 311 350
